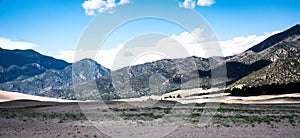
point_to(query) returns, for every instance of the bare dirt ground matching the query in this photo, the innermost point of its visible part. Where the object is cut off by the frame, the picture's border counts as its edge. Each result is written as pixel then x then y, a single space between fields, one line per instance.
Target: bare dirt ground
pixel 27 118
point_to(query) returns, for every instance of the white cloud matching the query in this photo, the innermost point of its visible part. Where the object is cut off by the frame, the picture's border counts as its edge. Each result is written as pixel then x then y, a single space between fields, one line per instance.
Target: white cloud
pixel 229 47
pixel 6 43
pixel 124 2
pixel 192 42
pixel 104 57
pixel 191 4
pixel 67 55
pixel 91 7
pixel 188 4
pixel 240 44
pixel 205 2
pixel 190 38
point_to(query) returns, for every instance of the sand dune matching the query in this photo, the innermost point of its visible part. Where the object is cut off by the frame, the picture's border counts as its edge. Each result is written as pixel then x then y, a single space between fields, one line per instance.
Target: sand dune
pixel 11 96
pixel 265 99
pixel 224 98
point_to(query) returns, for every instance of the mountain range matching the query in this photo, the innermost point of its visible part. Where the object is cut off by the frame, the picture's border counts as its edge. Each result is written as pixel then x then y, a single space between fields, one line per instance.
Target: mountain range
pixel 274 61
pixel 22 64
pixel 79 72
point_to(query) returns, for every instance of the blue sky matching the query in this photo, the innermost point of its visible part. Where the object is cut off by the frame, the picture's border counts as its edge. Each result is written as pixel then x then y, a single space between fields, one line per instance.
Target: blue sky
pixel 231 18
pixel 53 26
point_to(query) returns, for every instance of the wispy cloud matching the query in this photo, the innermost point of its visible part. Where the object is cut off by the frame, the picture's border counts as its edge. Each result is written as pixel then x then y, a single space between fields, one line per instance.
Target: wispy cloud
pixel 104 57
pixel 190 41
pixel 240 44
pixel 124 2
pixel 13 44
pixel 188 4
pixel 205 2
pixel 191 4
pixel 91 7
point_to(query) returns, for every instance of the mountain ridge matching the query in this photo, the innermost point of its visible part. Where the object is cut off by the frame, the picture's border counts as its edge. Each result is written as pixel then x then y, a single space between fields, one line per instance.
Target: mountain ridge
pixel 161 76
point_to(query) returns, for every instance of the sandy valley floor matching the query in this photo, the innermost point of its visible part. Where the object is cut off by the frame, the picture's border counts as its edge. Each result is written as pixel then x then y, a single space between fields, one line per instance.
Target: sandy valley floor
pixel 27 118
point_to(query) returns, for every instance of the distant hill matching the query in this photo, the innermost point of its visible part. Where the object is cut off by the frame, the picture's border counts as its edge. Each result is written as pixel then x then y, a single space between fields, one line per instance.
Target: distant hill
pixel 22 64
